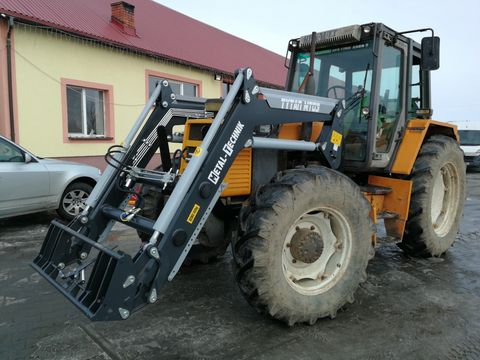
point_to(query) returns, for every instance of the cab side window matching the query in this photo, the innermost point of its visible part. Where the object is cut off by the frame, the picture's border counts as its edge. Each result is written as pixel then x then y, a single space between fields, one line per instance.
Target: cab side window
pixel 415 99
pixel 390 103
pixel 10 153
pixel 355 124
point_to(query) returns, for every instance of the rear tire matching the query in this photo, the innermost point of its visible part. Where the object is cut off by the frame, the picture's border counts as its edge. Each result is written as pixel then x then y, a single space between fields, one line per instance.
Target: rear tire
pixel 318 203
pixel 437 200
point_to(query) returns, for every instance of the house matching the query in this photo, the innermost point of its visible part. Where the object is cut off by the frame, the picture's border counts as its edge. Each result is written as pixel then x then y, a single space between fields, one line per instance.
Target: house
pixel 76 73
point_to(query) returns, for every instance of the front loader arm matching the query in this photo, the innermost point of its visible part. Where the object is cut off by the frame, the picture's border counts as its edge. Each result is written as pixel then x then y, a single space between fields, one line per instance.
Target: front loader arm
pixel 108 284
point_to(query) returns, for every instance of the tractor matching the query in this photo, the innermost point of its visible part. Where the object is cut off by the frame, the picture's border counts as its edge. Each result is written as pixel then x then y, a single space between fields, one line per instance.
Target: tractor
pixel 296 181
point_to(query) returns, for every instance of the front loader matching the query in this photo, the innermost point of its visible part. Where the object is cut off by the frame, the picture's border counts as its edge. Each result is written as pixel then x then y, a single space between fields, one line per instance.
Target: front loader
pixel 295 181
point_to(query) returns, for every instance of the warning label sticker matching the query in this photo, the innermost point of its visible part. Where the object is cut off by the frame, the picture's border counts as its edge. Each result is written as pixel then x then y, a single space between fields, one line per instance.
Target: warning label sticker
pixel 198 151
pixel 336 138
pixel 193 213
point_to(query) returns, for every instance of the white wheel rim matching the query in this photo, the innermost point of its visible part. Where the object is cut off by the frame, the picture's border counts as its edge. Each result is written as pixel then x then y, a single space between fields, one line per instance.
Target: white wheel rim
pixel 322 274
pixel 74 202
pixel 445 198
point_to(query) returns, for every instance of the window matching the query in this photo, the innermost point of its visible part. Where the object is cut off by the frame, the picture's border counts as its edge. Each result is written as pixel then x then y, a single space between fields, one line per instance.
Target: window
pixel 301 70
pixel 333 70
pixel 415 100
pixel 10 153
pixel 336 83
pixel 338 73
pixel 178 87
pixel 86 112
pixel 390 104
pixel 469 137
pixel 225 89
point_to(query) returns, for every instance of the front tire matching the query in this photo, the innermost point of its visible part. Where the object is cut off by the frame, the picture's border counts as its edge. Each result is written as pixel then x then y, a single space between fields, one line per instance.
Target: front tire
pixel 437 199
pixel 307 239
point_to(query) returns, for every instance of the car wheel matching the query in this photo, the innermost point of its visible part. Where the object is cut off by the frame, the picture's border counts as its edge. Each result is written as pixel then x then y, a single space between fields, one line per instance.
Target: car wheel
pixel 73 200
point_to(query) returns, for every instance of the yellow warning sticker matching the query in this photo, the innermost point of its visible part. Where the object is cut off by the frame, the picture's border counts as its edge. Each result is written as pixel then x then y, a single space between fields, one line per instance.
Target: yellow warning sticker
pixel 198 151
pixel 193 213
pixel 336 138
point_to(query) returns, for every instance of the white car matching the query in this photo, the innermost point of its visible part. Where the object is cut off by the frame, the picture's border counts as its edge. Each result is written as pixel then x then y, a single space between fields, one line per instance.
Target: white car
pixel 470 144
pixel 29 183
pixel 469 132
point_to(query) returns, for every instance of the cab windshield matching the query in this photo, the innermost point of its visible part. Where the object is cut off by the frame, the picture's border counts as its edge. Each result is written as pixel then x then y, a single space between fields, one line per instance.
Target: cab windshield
pixel 340 73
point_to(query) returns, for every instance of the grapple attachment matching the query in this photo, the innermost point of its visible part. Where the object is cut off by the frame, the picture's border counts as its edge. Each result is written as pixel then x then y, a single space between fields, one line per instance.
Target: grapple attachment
pixel 103 283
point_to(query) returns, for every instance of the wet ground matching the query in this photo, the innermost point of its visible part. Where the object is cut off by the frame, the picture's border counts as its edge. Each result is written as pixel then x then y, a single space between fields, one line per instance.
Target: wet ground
pixel 408 309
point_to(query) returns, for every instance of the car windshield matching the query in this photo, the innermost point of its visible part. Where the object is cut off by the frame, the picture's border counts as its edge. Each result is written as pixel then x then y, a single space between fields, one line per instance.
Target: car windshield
pixel 338 72
pixel 9 152
pixel 3 141
pixel 469 137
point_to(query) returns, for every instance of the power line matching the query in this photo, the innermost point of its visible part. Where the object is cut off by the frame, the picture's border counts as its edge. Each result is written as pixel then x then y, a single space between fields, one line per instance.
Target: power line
pixel 51 77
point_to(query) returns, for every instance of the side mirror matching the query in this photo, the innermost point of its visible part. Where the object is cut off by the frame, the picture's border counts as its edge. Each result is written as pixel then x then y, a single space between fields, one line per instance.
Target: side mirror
pixel 28 158
pixel 430 53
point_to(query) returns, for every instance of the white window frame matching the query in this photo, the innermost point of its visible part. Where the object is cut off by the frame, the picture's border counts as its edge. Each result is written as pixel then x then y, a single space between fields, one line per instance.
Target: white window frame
pixel 181 83
pixel 182 91
pixel 84 114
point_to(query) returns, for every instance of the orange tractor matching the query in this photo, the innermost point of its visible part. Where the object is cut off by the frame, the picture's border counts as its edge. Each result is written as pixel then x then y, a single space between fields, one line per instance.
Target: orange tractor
pixel 294 180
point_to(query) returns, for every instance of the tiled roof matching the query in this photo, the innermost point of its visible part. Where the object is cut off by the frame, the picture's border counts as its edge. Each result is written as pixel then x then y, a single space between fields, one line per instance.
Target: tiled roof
pixel 160 31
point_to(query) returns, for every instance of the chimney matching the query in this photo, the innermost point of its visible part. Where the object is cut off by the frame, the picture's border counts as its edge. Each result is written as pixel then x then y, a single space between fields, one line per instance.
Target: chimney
pixel 123 15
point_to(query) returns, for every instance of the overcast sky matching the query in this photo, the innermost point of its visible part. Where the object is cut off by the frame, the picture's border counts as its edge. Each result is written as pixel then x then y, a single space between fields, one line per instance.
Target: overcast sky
pixel 270 24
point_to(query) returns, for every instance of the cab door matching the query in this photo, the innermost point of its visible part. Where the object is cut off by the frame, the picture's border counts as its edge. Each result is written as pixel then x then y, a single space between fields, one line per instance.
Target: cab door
pixel 389 104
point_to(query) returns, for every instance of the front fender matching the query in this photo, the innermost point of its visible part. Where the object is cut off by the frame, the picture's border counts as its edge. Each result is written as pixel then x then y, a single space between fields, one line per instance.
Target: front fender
pixel 62 175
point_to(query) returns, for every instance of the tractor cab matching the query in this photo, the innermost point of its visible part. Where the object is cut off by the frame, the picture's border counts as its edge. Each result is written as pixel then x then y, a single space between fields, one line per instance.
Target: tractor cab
pixel 384 75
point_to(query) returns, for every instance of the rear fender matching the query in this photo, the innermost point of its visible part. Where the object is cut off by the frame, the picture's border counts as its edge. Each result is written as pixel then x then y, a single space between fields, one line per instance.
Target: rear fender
pixel 416 133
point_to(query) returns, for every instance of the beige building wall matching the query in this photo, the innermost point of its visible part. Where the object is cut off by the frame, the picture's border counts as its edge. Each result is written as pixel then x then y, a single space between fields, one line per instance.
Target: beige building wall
pixel 43 60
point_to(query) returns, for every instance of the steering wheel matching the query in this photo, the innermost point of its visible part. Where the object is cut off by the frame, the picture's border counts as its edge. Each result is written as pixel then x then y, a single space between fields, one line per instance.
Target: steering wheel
pixel 334 89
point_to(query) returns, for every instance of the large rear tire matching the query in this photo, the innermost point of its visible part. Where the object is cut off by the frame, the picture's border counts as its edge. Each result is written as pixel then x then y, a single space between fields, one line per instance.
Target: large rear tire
pixel 306 241
pixel 437 200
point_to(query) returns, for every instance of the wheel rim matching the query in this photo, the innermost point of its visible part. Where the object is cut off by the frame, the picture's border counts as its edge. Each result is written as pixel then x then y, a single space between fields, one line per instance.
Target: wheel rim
pixel 319 272
pixel 74 202
pixel 445 198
